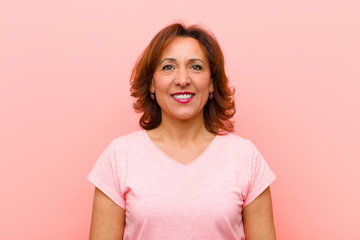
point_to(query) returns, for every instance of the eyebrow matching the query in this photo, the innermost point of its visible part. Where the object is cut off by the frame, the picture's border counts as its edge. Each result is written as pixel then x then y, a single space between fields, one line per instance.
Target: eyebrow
pixel 174 60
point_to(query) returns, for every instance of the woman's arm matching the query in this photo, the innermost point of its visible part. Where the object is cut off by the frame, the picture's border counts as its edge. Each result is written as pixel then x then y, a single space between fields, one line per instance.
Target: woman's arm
pixel 108 218
pixel 258 218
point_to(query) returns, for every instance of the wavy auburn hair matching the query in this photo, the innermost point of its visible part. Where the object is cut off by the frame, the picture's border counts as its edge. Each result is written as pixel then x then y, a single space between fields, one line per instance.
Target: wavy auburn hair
pixel 217 111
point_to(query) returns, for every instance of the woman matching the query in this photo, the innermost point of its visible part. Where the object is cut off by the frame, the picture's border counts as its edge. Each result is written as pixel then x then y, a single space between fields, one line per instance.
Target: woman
pixel 185 175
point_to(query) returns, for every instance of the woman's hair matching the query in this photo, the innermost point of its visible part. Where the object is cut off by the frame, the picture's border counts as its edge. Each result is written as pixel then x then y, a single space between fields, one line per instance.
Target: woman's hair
pixel 217 111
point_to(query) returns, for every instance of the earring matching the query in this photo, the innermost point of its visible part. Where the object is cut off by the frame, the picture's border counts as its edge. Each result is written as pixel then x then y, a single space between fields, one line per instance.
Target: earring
pixel 152 96
pixel 211 95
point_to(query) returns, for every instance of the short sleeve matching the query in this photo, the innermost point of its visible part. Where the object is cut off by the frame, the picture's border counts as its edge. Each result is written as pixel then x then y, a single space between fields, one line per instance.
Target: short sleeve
pixel 261 176
pixel 105 175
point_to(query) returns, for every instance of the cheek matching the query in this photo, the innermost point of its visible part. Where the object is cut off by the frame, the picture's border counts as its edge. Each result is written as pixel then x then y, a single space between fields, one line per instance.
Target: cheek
pixel 158 82
pixel 204 83
pixel 161 86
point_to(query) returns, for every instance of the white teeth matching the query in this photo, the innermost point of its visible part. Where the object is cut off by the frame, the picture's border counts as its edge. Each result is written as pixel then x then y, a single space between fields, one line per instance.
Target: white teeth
pixel 182 96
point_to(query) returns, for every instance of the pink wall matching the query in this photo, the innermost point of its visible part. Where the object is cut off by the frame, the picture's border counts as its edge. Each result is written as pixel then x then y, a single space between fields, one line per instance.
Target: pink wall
pixel 64 71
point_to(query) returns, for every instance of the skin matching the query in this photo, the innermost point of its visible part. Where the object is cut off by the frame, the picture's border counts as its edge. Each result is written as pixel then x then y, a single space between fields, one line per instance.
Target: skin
pixel 108 219
pixel 183 67
pixel 258 218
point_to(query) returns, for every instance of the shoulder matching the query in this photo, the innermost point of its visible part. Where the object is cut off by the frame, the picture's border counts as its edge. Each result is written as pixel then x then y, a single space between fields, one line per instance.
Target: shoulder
pixel 119 148
pixel 120 145
pixel 239 149
pixel 235 142
pixel 129 138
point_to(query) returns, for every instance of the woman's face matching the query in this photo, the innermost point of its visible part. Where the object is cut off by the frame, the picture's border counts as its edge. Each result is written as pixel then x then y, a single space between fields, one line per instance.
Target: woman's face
pixel 181 80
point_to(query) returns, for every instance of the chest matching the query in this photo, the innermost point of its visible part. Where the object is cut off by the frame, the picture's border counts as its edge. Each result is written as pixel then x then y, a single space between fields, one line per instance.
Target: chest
pixel 182 154
pixel 208 195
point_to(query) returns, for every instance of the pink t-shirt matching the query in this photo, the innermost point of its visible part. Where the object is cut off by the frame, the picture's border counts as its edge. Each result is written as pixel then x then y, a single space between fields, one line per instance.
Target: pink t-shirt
pixel 167 200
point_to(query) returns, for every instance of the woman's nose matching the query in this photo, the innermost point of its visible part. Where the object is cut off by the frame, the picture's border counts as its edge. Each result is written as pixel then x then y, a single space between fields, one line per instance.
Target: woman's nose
pixel 183 77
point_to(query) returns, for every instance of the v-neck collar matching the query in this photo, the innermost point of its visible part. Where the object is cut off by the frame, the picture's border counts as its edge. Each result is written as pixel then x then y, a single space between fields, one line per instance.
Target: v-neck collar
pixel 173 161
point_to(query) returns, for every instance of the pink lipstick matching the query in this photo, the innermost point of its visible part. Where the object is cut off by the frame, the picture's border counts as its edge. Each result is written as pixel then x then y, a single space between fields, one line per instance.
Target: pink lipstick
pixel 183 97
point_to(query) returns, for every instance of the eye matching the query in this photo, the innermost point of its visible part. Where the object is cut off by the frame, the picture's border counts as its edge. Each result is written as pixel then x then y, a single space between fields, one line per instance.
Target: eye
pixel 196 67
pixel 167 67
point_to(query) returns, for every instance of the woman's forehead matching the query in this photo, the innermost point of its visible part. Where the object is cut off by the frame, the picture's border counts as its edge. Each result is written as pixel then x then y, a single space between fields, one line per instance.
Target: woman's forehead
pixel 184 47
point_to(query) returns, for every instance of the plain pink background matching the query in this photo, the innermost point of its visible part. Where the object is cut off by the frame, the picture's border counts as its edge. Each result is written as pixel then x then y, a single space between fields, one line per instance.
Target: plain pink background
pixel 65 67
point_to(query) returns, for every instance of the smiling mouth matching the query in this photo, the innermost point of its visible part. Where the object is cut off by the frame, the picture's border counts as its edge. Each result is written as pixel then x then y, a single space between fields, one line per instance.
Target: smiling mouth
pixel 183 97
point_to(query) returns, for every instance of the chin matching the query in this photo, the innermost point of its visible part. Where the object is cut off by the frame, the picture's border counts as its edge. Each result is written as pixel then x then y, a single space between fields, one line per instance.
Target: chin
pixel 185 116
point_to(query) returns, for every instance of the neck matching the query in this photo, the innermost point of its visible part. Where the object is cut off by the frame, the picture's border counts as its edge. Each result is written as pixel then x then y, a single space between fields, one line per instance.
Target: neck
pixel 182 131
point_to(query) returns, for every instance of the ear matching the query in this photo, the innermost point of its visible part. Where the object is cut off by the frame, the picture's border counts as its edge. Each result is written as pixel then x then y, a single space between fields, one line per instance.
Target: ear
pixel 152 86
pixel 211 86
